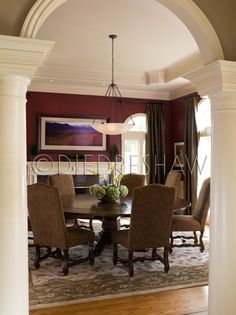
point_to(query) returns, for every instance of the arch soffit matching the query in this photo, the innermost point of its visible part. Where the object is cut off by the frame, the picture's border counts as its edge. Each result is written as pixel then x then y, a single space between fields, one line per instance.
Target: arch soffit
pixel 186 10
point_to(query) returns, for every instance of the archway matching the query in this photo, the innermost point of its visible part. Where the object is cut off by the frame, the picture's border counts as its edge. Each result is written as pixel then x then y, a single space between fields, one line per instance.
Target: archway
pixel 215 79
pixel 186 10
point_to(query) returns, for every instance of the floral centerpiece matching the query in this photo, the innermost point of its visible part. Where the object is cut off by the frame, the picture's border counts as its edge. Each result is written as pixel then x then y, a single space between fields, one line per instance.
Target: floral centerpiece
pixel 109 192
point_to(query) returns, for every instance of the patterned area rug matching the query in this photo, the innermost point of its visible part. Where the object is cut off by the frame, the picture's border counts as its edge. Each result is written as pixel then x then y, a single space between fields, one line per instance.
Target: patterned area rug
pixel 49 287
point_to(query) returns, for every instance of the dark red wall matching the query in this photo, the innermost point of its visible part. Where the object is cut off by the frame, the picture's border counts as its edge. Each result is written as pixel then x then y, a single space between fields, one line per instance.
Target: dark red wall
pixel 91 106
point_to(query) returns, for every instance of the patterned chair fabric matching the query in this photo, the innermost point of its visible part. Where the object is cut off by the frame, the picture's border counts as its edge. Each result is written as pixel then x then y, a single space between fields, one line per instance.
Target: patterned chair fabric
pixel 49 227
pixel 64 184
pixel 173 180
pixel 133 181
pixel 150 224
pixel 195 222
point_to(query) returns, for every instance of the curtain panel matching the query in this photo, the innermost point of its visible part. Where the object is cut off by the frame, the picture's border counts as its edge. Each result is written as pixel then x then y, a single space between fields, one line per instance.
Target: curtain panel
pixel 155 143
pixel 190 148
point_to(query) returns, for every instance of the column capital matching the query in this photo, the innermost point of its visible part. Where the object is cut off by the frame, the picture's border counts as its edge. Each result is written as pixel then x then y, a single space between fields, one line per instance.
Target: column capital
pixel 22 56
pixel 214 79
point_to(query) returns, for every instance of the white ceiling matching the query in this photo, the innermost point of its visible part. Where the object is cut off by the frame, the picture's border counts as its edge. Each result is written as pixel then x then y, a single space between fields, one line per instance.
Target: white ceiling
pixel 152 43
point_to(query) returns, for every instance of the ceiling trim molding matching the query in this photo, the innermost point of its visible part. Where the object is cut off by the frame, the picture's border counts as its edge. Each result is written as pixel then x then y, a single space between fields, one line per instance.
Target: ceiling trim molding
pixel 215 78
pixel 183 66
pixel 199 26
pixel 183 91
pixel 102 77
pixel 37 15
pixel 99 91
pixel 175 71
pixel 22 55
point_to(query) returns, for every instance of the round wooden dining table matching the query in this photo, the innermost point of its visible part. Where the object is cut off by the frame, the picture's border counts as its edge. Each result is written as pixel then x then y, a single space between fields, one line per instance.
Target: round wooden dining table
pixel 87 206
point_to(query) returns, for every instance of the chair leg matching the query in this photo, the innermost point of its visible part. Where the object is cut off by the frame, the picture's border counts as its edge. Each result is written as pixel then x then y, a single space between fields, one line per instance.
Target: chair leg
pixel 130 264
pixel 115 256
pixel 171 243
pixel 91 256
pixel 91 224
pixel 58 252
pixel 154 253
pixel 37 257
pixel 195 238
pixel 166 260
pixel 202 247
pixel 66 262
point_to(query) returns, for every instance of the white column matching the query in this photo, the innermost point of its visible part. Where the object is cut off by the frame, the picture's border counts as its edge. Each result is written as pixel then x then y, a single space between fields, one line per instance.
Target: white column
pixel 19 60
pixel 218 80
pixel 13 209
pixel 222 276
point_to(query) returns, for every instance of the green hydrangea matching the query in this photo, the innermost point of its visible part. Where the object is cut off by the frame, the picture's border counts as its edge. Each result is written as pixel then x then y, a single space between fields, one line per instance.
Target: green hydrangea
pixel 97 191
pixel 123 191
pixel 108 192
pixel 113 192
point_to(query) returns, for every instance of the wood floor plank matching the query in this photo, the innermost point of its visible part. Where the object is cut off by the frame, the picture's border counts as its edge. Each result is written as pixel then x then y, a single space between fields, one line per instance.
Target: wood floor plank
pixel 178 302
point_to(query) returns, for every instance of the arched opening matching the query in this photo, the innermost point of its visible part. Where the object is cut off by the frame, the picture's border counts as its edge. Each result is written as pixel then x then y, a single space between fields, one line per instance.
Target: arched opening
pixel 133 145
pixel 187 11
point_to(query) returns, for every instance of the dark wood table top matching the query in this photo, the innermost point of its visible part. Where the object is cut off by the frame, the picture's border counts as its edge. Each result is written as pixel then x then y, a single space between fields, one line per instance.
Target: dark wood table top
pixel 86 205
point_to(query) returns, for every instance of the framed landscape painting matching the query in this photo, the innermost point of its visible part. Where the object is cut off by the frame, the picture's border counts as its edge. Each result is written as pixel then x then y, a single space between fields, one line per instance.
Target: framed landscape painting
pixel 68 133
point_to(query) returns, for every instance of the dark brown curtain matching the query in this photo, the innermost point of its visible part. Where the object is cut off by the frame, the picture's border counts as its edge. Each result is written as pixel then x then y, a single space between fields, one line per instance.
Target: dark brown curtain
pixel 155 143
pixel 190 147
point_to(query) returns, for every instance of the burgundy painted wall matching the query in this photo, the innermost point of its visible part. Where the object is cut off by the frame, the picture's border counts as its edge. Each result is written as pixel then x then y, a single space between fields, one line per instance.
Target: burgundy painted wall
pixel 78 106
pixel 91 106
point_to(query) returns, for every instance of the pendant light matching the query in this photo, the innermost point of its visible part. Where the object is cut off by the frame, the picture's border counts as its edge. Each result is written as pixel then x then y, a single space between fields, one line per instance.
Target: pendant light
pixel 113 92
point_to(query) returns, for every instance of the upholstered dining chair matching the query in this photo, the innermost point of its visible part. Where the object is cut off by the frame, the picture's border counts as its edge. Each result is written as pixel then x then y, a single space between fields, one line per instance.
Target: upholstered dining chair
pixel 133 181
pixel 173 180
pixel 49 227
pixel 64 183
pixel 195 222
pixel 150 225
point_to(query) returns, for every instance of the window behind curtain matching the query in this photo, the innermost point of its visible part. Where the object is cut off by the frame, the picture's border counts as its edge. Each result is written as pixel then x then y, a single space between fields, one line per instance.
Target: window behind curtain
pixel 133 145
pixel 203 119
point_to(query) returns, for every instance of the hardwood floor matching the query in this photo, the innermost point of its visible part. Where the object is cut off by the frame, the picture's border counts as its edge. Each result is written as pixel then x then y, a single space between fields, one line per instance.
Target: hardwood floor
pixel 179 302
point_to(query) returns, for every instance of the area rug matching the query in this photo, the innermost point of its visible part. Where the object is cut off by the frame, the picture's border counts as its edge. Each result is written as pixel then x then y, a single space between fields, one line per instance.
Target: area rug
pixel 49 287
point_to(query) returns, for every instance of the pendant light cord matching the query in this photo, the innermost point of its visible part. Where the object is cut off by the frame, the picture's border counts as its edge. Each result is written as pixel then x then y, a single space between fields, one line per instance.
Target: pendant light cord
pixel 112 89
pixel 112 59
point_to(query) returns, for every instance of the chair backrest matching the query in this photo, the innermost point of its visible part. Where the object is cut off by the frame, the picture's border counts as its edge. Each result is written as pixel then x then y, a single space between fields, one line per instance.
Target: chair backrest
pixel 151 217
pixel 203 203
pixel 173 180
pixel 46 216
pixel 64 183
pixel 133 181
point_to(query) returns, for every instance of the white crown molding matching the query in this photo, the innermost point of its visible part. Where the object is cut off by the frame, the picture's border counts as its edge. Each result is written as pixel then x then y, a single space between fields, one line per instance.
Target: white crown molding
pixel 182 91
pixel 87 75
pixel 175 71
pixel 22 56
pixel 134 92
pixel 155 77
pixel 183 66
pixel 82 81
pixel 215 78
pixel 199 26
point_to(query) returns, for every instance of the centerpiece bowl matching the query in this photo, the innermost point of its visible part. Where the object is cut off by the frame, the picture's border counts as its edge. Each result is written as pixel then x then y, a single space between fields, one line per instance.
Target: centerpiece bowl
pixel 108 193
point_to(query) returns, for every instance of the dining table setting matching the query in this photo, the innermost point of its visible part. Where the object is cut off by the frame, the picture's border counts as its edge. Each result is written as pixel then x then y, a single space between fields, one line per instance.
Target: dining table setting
pixel 86 206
